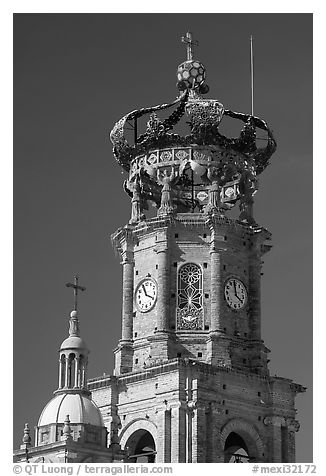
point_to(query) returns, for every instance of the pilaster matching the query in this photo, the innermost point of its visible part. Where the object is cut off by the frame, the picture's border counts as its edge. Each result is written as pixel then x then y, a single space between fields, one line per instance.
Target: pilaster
pixel 217 345
pixel 163 444
pixel 161 338
pixel 276 422
pixel 163 281
pixel 216 287
pixel 254 295
pixel 178 432
pixel 124 241
pixel 292 426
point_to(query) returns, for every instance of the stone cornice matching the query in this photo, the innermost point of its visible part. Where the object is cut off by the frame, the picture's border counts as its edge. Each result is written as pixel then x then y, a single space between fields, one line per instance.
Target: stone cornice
pixel 175 365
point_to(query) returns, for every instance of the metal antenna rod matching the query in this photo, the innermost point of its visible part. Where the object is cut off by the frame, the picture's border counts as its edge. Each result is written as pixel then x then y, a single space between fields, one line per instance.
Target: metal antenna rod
pixel 252 75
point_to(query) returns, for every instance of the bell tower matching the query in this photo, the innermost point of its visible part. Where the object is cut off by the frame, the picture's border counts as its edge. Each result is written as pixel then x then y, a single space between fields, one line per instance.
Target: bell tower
pixel 191 380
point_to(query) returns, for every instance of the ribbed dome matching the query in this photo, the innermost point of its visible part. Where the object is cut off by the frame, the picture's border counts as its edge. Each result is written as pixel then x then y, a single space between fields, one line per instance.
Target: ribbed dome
pixel 73 342
pixel 79 407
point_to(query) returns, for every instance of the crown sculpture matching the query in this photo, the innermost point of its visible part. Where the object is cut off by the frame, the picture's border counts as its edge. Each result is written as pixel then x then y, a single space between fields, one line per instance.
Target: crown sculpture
pixel 203 172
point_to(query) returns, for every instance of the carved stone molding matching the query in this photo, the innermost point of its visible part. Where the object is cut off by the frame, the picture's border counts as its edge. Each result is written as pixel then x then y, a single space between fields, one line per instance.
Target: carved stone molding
pixel 275 420
pixel 292 425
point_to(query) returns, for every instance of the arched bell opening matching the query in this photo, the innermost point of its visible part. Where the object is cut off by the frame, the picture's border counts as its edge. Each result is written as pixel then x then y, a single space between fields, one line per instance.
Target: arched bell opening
pixel 71 370
pixel 236 449
pixel 62 371
pixel 141 447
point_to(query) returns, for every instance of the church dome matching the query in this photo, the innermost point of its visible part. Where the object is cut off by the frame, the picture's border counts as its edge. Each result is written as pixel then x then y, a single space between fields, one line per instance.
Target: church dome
pixel 73 342
pixel 79 407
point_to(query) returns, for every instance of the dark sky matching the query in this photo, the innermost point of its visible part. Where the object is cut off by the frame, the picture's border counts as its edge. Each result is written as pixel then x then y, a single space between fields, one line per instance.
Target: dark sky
pixel 75 75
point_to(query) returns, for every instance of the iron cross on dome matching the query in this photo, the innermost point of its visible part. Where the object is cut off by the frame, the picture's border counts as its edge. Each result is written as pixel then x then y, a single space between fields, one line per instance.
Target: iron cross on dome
pixel 190 44
pixel 76 288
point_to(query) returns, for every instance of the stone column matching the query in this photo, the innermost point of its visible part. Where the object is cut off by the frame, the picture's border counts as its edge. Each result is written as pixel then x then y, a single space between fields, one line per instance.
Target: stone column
pixel 124 241
pixel 60 373
pixel 216 288
pixel 127 296
pixel 217 343
pixel 160 340
pixel 76 383
pixel 163 281
pixel 66 371
pixel 254 296
pixel 82 376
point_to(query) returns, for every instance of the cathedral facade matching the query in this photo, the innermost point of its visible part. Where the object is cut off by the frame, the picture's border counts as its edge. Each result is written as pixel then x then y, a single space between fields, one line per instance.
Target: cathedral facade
pixel 191 382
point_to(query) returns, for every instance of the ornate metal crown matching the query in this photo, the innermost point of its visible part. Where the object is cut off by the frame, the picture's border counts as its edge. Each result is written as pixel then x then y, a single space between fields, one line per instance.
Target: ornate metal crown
pixel 192 165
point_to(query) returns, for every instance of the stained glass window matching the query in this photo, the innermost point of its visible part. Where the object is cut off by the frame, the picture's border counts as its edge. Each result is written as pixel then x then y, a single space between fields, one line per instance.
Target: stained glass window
pixel 190 297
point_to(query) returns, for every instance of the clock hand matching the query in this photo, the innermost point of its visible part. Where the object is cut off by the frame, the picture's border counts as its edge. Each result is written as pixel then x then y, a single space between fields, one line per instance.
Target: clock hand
pixel 144 290
pixel 235 289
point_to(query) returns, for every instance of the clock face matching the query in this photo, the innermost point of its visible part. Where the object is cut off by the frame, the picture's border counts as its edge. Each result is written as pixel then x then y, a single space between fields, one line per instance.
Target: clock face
pixel 145 295
pixel 235 293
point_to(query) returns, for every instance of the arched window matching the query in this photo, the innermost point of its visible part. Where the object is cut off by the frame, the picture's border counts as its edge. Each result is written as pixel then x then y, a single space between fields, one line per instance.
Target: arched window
pixel 190 313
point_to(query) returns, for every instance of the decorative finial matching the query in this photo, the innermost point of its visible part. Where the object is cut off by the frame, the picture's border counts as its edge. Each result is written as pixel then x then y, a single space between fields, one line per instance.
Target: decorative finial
pixel 190 44
pixel 66 432
pixel 191 73
pixel 74 324
pixel 27 438
pixel 76 288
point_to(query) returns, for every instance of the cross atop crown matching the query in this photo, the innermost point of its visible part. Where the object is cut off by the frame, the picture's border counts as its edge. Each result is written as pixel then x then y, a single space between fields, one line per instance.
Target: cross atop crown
pixel 190 44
